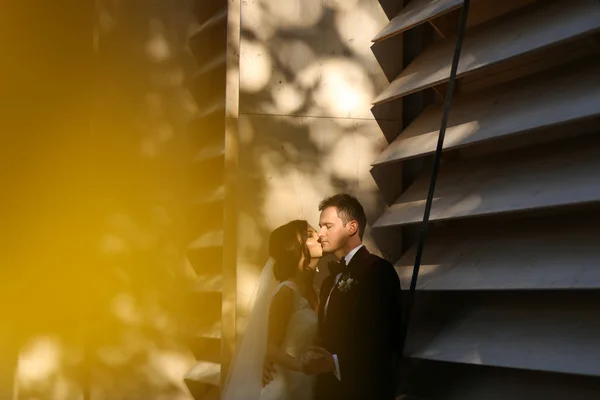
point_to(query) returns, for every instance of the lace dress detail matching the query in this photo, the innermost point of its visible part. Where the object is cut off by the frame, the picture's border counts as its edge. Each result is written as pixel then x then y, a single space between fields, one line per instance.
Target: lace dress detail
pixel 301 333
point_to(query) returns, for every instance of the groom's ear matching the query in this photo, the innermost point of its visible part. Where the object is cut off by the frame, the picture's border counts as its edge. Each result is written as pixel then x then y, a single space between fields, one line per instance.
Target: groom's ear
pixel 353 227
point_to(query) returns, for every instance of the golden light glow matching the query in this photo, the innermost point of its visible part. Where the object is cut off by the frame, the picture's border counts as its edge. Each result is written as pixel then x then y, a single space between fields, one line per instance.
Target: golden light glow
pixel 360 15
pixel 287 98
pixel 39 360
pixel 171 365
pixel 255 73
pixel 125 309
pixel 157 46
pixel 295 13
pixel 341 87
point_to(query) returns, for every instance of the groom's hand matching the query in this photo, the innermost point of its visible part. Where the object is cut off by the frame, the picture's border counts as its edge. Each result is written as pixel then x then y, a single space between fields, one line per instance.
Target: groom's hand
pixel 320 361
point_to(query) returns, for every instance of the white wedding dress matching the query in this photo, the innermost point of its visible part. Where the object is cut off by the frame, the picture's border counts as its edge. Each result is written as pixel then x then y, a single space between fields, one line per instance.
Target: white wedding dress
pixel 301 332
pixel 244 378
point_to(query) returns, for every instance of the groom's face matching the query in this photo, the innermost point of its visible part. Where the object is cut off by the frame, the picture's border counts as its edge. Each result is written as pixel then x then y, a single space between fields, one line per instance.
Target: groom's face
pixel 332 231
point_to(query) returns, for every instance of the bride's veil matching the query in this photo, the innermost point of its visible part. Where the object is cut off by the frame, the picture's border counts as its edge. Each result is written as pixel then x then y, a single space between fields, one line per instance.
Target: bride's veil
pixel 244 380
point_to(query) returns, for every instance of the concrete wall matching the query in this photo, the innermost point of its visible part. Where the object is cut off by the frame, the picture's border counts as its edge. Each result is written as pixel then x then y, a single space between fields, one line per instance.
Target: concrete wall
pixel 307 130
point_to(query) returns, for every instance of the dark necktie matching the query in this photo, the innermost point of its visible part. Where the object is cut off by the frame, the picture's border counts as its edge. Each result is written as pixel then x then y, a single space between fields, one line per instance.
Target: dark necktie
pixel 337 267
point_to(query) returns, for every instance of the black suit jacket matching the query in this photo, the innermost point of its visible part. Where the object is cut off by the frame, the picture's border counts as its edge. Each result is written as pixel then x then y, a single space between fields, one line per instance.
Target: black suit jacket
pixel 363 327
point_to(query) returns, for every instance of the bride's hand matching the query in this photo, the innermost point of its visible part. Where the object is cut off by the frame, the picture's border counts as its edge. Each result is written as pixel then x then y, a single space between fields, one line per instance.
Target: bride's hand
pixel 268 372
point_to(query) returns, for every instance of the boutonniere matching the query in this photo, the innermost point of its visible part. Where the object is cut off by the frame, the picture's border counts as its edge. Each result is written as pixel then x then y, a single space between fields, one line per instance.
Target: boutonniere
pixel 346 283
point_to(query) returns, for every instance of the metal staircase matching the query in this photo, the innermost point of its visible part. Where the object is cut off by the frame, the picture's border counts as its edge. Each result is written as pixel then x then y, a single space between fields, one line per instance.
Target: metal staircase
pixel 508 293
pixel 205 213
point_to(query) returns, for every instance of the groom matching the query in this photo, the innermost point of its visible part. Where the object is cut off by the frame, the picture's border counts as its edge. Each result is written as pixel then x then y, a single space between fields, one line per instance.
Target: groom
pixel 359 313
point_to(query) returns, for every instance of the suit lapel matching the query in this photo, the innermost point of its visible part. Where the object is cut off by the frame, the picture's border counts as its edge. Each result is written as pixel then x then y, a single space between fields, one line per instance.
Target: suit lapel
pixel 337 301
pixel 357 263
pixel 325 290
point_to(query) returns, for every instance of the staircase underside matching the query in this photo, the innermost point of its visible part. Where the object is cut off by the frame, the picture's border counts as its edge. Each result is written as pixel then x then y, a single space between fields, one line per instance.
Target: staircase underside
pixel 508 297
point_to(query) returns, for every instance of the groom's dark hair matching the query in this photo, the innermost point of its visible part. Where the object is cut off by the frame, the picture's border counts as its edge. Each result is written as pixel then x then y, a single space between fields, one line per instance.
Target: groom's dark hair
pixel 348 209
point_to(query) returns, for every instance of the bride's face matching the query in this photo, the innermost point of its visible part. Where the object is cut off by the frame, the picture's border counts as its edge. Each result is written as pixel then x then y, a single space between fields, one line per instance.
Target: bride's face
pixel 312 242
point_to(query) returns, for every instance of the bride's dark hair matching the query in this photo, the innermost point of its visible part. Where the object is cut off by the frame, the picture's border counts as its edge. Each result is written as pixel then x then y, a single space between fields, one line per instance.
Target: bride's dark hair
pixel 287 244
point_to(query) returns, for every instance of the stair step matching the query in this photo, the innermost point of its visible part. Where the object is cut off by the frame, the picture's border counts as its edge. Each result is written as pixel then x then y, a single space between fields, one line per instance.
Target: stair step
pixel 209 79
pixel 203 379
pixel 209 283
pixel 415 13
pixel 208 307
pixel 209 94
pixel 211 152
pixel 209 332
pixel 553 99
pixel 206 348
pixel 211 37
pixel 208 239
pixel 207 177
pixel 558 252
pixel 208 127
pixel 449 381
pixel 211 115
pixel 552 331
pixel 212 196
pixel 217 18
pixel 206 260
pixel 533 180
pixel 547 25
pixel 205 216
pixel 206 10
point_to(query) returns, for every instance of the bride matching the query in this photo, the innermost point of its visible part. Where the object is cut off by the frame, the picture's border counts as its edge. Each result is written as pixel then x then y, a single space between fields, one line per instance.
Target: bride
pixel 284 320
